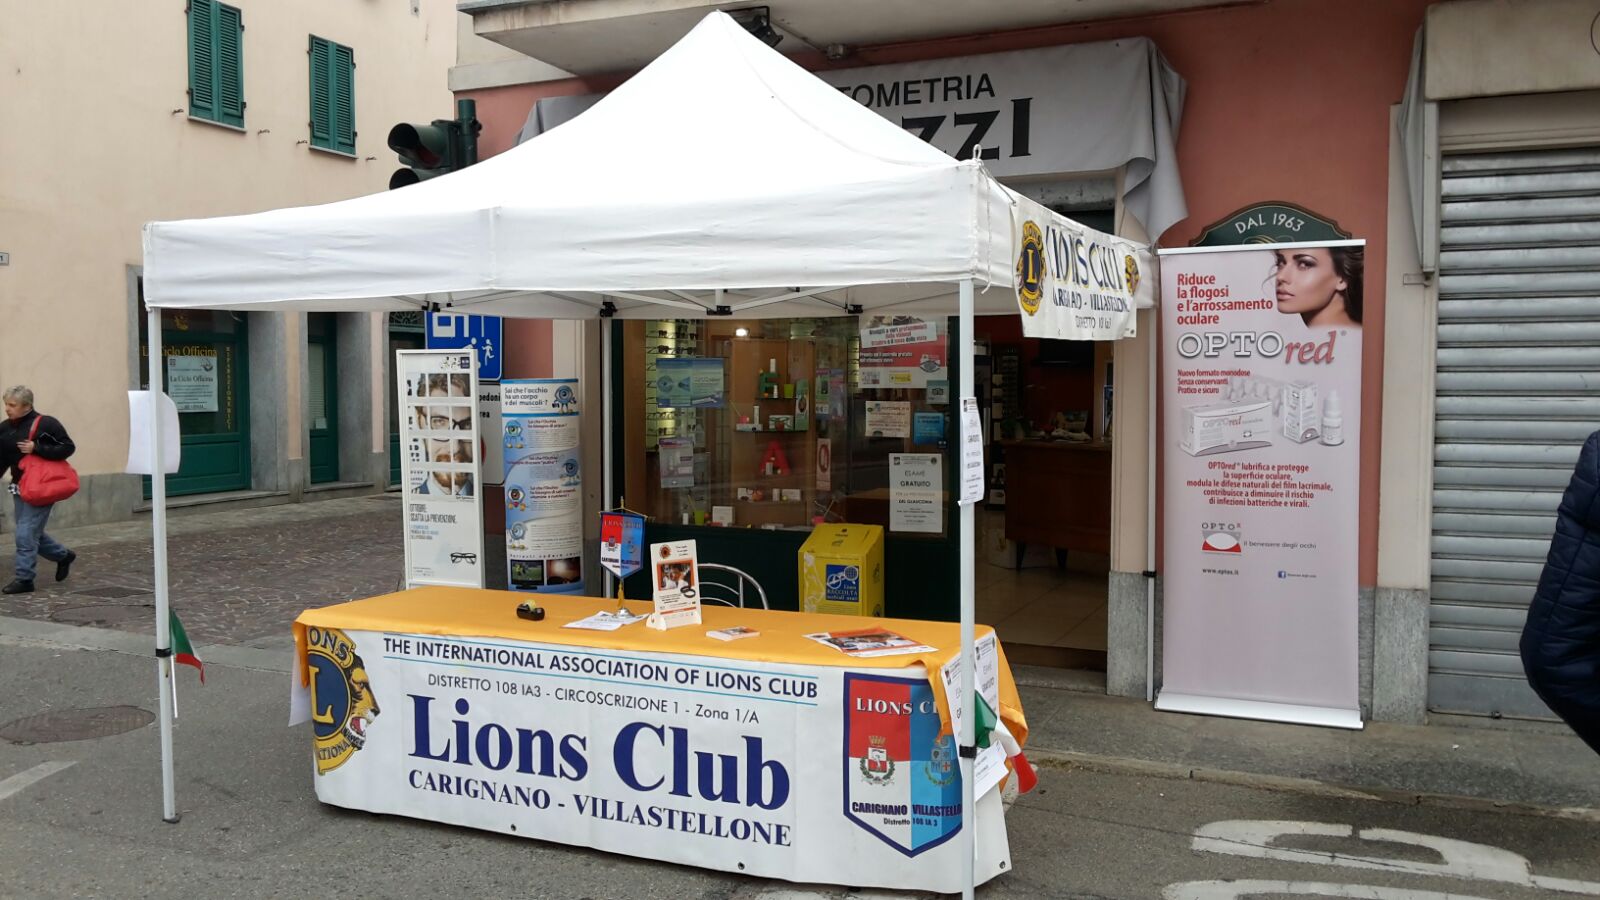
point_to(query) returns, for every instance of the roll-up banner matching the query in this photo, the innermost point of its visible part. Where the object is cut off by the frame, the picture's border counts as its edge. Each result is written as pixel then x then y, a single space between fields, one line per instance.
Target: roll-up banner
pixel 1261 390
pixel 441 459
pixel 544 485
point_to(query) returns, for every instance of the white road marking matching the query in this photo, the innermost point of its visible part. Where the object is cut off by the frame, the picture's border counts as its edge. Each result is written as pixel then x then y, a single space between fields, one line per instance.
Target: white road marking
pixel 1462 859
pixel 19 782
pixel 1239 890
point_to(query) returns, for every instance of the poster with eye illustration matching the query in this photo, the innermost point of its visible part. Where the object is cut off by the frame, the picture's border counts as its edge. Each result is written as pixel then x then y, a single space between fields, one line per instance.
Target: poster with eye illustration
pixel 441 467
pixel 544 485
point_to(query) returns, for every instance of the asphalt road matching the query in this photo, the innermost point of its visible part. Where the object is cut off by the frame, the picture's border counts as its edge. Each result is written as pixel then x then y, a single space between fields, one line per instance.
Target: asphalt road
pixel 82 819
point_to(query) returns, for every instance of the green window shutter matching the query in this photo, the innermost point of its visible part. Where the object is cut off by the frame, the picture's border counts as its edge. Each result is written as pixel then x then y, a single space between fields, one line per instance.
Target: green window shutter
pixel 321 93
pixel 230 66
pixel 202 59
pixel 343 69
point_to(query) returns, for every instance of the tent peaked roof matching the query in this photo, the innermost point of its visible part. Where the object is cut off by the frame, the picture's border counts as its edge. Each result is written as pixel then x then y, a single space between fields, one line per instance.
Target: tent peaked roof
pixel 722 166
pixel 721 108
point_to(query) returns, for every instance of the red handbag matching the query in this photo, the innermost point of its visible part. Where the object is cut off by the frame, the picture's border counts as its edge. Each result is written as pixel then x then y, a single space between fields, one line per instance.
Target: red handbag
pixel 45 481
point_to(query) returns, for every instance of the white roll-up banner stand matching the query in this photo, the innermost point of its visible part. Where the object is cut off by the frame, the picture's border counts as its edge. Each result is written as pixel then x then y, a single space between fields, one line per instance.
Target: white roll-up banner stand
pixel 1261 388
pixel 441 462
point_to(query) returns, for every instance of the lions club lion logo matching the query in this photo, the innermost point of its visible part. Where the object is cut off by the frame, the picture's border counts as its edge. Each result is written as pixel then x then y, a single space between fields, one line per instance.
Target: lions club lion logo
pixel 342 704
pixel 1030 268
pixel 1130 268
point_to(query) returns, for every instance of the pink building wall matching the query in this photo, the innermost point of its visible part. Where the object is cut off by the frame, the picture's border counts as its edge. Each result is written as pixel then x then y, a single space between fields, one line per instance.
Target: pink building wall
pixel 1287 100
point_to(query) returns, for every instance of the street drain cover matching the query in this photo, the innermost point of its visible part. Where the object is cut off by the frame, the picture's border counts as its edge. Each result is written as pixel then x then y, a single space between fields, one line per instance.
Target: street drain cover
pixel 113 592
pixel 75 724
pixel 108 614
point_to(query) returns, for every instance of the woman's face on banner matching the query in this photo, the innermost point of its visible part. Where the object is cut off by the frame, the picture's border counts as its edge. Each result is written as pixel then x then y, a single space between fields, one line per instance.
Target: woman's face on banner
pixel 1305 280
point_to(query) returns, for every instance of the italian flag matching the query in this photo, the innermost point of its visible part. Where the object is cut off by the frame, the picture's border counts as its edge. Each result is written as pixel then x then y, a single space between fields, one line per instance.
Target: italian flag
pixel 182 650
pixel 989 728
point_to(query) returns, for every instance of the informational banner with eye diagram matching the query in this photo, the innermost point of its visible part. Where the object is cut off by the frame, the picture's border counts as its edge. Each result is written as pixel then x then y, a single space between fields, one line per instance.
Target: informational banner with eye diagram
pixel 441 467
pixel 544 485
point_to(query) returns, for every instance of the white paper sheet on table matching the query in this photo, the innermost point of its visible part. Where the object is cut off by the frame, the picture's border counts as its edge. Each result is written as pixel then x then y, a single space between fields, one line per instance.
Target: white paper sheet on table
pixel 605 620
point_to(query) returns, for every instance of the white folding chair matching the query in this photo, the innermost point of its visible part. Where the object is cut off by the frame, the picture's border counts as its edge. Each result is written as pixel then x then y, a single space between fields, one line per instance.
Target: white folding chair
pixel 728 586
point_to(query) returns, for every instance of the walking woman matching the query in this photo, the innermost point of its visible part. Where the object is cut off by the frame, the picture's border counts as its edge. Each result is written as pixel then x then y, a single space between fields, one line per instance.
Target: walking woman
pixel 24 432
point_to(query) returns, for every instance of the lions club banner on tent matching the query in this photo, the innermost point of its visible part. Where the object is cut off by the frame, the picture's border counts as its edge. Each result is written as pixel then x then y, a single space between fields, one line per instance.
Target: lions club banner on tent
pixel 807 773
pixel 1075 283
pixel 1261 387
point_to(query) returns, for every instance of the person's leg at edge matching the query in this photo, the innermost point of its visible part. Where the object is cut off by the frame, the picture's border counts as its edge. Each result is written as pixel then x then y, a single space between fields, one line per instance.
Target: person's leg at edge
pixel 50 548
pixel 29 526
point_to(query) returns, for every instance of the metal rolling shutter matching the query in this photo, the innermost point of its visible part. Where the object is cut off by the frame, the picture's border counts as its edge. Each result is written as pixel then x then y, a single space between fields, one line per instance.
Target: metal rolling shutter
pixel 1518 383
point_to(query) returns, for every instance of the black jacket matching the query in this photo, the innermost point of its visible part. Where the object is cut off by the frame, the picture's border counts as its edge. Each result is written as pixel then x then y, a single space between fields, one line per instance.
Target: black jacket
pixel 1561 640
pixel 52 441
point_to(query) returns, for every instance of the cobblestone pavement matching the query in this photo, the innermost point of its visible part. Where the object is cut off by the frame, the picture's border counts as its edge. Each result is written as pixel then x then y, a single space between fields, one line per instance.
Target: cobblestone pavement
pixel 236 577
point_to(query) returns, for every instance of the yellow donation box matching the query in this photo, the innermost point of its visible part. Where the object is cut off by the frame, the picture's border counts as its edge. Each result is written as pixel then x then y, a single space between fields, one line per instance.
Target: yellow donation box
pixel 841 570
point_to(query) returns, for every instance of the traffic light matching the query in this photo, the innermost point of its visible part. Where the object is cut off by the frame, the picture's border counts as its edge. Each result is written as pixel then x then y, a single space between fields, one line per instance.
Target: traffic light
pixel 438 148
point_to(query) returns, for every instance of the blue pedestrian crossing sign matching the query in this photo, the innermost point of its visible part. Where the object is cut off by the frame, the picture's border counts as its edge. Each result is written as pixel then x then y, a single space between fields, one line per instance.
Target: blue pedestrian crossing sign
pixel 456 331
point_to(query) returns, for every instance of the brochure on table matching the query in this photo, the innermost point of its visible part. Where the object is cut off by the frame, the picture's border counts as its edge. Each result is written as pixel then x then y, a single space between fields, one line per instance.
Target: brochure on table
pixel 675 585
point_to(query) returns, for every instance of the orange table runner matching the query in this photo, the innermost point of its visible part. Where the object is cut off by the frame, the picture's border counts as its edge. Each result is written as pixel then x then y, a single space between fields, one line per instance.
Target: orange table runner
pixel 470 612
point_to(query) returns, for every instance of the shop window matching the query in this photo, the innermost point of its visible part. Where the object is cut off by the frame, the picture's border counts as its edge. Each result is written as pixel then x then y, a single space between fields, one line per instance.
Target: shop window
pixel 216 63
pixel 784 423
pixel 333 100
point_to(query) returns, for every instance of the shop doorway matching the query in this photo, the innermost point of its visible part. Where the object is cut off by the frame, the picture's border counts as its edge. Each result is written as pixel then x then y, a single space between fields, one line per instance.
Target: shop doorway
pixel 205 373
pixel 322 398
pixel 1045 527
pixel 405 333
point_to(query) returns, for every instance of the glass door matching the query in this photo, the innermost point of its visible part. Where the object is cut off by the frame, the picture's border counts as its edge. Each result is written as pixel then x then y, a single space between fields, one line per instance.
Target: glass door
pixel 205 369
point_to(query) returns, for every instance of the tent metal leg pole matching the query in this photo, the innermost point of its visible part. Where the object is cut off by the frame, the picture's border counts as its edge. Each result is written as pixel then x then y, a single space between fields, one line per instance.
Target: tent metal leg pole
pixel 968 544
pixel 1150 519
pixel 608 492
pixel 158 507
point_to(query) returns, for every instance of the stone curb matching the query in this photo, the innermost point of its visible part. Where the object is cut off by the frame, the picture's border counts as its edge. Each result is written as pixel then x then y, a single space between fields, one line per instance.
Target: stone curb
pixel 1116 765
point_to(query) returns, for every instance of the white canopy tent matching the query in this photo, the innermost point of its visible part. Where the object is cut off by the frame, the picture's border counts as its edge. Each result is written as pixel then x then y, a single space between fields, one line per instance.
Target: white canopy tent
pixel 722 165
pixel 723 179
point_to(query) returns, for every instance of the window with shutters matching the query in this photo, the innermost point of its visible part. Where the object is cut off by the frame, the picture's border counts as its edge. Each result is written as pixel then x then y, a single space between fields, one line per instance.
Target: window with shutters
pixel 333 96
pixel 216 63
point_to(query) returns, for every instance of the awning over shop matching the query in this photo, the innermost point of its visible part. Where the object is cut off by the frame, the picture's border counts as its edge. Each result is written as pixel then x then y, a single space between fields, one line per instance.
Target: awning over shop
pixel 1128 121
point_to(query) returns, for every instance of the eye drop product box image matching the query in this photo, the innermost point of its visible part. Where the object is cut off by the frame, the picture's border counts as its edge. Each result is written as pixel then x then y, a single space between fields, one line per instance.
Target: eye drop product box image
pixel 841 570
pixel 1302 412
pixel 1222 427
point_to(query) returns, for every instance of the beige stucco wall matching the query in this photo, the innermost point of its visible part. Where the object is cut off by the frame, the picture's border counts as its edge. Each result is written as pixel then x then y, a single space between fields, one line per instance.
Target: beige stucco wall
pixel 99 142
pixel 1485 48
